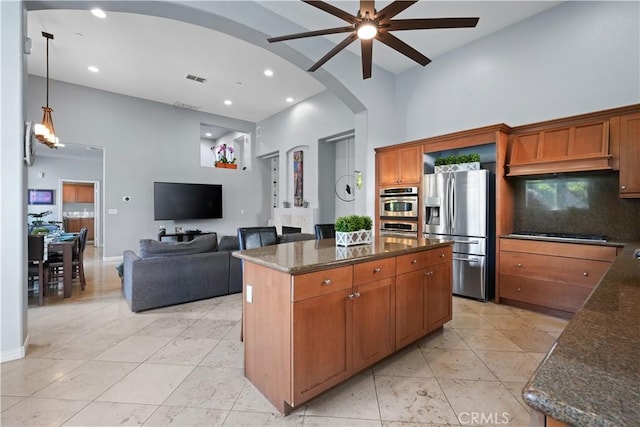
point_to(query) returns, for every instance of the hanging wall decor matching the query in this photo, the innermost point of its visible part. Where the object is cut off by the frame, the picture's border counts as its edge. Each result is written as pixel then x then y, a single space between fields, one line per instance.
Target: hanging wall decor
pixel 298 198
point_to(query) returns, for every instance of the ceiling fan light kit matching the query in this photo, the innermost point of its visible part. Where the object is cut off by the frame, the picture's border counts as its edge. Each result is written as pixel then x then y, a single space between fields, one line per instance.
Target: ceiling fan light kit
pixel 369 24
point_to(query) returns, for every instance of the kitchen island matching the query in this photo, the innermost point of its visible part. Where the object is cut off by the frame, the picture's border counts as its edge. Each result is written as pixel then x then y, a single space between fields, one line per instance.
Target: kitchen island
pixel 591 376
pixel 315 314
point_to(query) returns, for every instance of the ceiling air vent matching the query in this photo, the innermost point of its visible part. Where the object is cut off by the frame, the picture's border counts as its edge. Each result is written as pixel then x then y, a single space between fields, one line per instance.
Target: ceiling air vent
pixel 196 78
pixel 187 106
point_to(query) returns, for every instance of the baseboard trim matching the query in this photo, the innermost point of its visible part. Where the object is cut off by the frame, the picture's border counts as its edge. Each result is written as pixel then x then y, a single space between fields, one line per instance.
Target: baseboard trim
pixel 112 258
pixel 16 353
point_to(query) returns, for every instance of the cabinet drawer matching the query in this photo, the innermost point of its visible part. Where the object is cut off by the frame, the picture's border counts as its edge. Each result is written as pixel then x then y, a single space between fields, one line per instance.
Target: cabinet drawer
pixel 574 250
pixel 553 269
pixel 322 282
pixel 547 294
pixel 412 262
pixel 374 270
pixel 440 255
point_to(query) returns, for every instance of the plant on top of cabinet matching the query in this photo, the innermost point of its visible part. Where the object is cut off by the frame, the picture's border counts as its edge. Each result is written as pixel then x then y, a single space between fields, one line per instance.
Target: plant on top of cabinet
pixel 457 163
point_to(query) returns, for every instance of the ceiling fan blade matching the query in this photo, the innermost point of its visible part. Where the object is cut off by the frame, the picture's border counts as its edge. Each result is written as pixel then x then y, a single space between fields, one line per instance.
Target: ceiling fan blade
pixel 367 6
pixel 311 34
pixel 397 44
pixel 345 16
pixel 367 57
pixel 393 9
pixel 431 23
pixel 344 43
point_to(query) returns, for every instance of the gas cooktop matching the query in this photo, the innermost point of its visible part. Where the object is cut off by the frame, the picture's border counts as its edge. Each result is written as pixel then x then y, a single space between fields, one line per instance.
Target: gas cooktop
pixel 567 236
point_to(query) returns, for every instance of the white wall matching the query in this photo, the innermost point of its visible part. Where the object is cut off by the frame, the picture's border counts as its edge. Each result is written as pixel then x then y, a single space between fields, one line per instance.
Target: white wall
pixel 144 142
pixel 574 58
pixel 303 125
pixel 13 229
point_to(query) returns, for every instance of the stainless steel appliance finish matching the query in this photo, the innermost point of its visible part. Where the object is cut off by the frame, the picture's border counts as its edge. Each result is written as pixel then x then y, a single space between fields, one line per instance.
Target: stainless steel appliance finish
pixel 401 202
pixel 461 206
pixel 398 228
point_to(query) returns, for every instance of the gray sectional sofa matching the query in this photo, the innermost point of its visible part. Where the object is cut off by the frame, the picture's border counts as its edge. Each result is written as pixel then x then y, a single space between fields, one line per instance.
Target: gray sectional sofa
pixel 168 273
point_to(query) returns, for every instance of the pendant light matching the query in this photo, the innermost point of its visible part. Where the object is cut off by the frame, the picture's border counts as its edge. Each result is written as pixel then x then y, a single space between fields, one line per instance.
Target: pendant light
pixel 45 131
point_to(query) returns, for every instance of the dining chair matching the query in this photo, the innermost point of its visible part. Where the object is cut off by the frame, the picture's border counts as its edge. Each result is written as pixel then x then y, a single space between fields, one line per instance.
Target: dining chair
pixel 325 231
pixel 37 265
pixel 256 237
pixel 55 260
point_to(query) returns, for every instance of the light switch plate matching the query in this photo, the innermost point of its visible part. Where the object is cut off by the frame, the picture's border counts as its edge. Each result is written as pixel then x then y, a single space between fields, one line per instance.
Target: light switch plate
pixel 249 294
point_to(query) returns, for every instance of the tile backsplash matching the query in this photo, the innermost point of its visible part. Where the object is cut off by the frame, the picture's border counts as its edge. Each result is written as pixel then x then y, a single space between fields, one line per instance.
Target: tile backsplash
pixel 576 203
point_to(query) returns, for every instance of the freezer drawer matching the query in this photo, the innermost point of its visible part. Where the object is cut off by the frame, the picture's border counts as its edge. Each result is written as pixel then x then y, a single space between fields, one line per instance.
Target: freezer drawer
pixel 469 276
pixel 464 244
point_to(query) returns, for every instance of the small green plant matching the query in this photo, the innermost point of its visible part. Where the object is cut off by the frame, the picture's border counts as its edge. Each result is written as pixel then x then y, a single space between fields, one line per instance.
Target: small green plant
pixel 456 159
pixel 351 223
pixel 40 230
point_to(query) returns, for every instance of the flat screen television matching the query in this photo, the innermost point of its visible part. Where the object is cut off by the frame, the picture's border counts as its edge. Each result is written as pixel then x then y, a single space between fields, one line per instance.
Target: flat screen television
pixel 177 201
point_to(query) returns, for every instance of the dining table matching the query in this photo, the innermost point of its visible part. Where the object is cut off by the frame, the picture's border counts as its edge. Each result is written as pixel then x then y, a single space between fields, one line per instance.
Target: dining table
pixel 64 244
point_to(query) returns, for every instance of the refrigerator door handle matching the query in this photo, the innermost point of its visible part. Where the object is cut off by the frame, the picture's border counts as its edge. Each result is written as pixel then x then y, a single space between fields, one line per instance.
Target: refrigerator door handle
pixel 467 242
pixel 466 259
pixel 452 205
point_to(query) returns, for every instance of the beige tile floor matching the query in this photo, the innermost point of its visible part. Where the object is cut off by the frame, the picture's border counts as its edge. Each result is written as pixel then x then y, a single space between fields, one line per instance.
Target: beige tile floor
pixel 91 362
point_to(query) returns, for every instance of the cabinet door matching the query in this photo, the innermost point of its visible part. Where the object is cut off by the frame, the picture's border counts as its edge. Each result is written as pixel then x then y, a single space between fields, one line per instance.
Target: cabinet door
pixel 630 155
pixel 439 291
pixel 84 193
pixel 387 167
pixel 410 299
pixel 73 225
pixel 68 193
pixel 410 169
pixel 373 322
pixel 322 334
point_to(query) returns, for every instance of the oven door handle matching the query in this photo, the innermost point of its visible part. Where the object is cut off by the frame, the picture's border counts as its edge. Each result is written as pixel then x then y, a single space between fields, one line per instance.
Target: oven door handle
pixel 466 259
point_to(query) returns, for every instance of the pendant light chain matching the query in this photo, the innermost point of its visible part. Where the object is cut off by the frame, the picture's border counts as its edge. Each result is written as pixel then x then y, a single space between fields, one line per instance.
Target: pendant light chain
pixel 45 131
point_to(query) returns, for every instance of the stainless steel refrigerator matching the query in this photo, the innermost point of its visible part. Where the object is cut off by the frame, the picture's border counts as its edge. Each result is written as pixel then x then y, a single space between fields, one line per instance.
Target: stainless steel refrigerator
pixel 461 206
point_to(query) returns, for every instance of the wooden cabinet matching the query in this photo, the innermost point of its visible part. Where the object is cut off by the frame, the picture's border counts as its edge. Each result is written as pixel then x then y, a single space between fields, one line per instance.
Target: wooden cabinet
pixel 77 193
pixel 306 333
pixel 423 294
pixel 551 274
pixel 399 166
pixel 73 225
pixel 568 148
pixel 625 135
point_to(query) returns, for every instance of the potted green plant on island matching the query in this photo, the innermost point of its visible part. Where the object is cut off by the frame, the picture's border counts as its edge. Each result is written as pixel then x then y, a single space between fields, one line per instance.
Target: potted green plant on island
pixel 460 162
pixel 353 230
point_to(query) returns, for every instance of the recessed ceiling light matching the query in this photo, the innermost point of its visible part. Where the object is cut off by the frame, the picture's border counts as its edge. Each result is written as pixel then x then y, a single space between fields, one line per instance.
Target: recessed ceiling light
pixel 268 72
pixel 98 13
pixel 207 134
pixel 289 99
pixel 227 102
pixel 93 69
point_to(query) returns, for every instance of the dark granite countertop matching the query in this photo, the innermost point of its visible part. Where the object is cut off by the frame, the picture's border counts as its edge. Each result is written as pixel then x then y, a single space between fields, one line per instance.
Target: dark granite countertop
pixel 561 240
pixel 591 376
pixel 312 255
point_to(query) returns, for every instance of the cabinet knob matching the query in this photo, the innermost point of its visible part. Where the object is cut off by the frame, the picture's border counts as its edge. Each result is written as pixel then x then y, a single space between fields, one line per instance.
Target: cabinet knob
pixel 623 187
pixel 441 255
pixel 356 294
pixel 519 289
pixel 376 270
pixel 585 274
pixel 351 296
pixel 414 261
pixel 518 265
pixel 326 282
pixel 428 273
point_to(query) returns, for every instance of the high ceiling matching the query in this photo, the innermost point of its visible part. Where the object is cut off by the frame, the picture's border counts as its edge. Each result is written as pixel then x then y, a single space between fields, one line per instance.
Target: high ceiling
pixel 150 57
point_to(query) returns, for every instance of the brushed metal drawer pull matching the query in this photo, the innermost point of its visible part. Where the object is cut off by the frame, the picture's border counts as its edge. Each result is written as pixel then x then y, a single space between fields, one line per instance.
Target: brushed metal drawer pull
pixel 356 294
pixel 585 274
pixel 518 265
pixel 351 296
pixel 623 187
pixel 376 270
pixel 414 261
pixel 326 282
pixel 428 273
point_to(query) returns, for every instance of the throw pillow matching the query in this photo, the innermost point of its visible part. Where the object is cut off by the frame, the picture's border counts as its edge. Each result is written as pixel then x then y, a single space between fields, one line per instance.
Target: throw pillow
pixel 201 244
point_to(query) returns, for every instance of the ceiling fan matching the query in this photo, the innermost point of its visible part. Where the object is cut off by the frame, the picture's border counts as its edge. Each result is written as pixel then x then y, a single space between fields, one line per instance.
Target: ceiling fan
pixel 370 24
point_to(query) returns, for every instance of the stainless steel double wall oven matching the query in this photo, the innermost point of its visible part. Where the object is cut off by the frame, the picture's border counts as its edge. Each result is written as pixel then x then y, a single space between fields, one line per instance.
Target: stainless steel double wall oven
pixel 399 209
